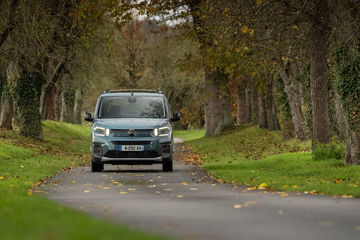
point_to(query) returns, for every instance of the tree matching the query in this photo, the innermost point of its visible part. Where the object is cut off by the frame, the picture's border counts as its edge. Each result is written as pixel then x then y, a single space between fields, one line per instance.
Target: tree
pixel 345 20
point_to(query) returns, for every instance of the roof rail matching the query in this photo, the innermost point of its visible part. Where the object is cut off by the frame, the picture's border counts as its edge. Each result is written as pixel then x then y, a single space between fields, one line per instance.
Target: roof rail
pixel 131 90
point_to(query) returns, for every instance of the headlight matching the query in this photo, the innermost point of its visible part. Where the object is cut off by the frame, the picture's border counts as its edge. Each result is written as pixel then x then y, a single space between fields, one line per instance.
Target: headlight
pixel 162 131
pixel 100 131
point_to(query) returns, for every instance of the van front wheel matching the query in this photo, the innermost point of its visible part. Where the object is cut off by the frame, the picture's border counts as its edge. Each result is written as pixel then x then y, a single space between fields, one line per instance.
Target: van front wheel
pixel 96 166
pixel 167 164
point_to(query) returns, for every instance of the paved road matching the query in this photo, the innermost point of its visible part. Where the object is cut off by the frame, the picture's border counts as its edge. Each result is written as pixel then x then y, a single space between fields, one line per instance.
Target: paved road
pixel 187 205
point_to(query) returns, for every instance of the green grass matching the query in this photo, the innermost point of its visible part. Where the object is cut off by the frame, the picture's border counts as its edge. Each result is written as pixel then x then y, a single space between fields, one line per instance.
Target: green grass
pixel 23 163
pixel 252 156
pixel 189 135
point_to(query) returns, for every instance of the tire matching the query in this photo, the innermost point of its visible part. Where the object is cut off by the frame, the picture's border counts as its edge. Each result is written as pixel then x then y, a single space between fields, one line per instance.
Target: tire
pixel 167 165
pixel 96 167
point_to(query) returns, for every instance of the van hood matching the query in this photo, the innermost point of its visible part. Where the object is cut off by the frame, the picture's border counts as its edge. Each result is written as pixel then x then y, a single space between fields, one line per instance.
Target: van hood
pixel 127 123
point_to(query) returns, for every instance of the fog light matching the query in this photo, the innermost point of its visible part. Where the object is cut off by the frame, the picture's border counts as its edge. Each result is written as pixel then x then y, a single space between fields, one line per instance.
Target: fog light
pixel 165 151
pixel 97 151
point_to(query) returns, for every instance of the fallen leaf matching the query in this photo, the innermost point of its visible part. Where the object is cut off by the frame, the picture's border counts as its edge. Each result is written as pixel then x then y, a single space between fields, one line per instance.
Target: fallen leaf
pixel 73 182
pixel 262 186
pixel 250 188
pixel 247 203
pixel 337 181
pixel 122 192
pixel 152 186
pixel 283 194
pixel 131 189
pixel 30 193
pixel 184 183
pixel 295 186
pixel 180 196
pixel 163 184
pixel 237 206
pixel 347 196
pixel 1 178
pixel 21 166
pixel 357 228
pixel 168 189
pixel 86 191
pixel 194 189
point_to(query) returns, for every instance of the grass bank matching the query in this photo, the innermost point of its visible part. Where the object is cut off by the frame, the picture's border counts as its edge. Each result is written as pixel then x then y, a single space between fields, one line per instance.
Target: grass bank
pixel 23 163
pixel 254 157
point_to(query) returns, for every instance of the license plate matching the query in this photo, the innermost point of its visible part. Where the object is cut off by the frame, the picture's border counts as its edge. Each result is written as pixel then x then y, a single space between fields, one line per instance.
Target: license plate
pixel 130 148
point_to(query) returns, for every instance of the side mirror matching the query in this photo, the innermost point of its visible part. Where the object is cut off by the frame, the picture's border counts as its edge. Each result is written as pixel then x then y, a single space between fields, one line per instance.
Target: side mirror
pixel 88 117
pixel 176 117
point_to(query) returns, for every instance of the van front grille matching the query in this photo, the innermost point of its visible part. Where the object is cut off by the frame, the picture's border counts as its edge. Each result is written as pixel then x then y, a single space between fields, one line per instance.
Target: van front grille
pixel 131 142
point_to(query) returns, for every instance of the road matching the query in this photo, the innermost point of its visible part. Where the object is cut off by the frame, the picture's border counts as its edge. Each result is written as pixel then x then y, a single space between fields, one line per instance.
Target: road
pixel 186 204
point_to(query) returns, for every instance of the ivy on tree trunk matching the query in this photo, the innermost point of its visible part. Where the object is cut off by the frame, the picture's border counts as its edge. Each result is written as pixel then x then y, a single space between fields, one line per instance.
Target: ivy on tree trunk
pixel 27 101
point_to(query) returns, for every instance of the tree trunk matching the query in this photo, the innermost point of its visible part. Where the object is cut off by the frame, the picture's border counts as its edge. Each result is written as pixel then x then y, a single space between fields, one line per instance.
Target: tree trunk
pixel 290 88
pixel 270 108
pixel 319 37
pixel 353 148
pixel 6 113
pixel 27 100
pixel 58 102
pixel 48 112
pixel 77 107
pixel 63 107
pixel 241 104
pixel 287 125
pixel 2 88
pixel 254 117
pixel 262 110
pixel 67 103
pixel 340 116
pixel 248 104
pixel 218 107
pixel 7 110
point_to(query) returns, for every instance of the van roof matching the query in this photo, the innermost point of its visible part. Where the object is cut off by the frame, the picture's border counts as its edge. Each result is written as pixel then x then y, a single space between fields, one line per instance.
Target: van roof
pixel 132 94
pixel 132 91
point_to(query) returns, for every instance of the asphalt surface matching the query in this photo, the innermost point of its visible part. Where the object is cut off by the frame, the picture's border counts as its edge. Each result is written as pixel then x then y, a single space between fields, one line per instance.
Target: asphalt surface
pixel 186 204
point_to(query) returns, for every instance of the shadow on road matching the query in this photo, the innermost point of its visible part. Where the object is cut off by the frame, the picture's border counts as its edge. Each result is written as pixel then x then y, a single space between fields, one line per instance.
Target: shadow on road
pixel 132 171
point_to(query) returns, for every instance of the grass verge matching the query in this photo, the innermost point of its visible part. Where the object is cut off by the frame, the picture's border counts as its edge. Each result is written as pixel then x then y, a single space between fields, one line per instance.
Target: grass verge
pixel 23 163
pixel 253 156
pixel 189 135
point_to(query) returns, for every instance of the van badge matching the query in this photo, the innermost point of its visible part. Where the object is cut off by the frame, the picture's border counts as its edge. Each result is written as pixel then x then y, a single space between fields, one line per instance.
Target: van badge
pixel 131 132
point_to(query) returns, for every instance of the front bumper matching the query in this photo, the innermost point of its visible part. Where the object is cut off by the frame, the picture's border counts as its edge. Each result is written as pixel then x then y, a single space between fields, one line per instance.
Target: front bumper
pixel 104 149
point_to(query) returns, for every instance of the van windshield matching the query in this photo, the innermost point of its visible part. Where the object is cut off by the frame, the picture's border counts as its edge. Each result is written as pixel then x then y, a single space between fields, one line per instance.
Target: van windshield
pixel 131 107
